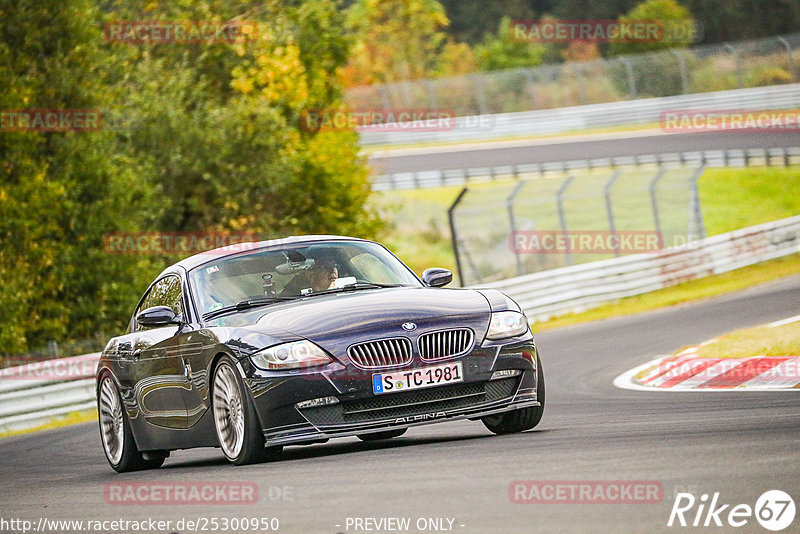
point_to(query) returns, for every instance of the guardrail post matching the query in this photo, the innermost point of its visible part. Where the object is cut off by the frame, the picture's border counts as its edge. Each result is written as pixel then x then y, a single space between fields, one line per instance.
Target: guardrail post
pixel 513 222
pixel 483 108
pixel 581 84
pixel 407 100
pixel 789 58
pixel 654 200
pixel 694 208
pixel 430 86
pixel 629 71
pixel 562 216
pixel 453 234
pixel 610 209
pixel 532 86
pixel 682 69
pixel 384 91
pixel 738 60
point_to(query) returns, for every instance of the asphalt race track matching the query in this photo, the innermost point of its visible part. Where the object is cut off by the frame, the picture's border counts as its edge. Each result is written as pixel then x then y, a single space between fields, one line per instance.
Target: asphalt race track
pixel 739 444
pixel 580 147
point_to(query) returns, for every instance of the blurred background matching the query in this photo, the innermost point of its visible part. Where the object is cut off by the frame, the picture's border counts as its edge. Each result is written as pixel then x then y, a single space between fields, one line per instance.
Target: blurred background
pixel 207 136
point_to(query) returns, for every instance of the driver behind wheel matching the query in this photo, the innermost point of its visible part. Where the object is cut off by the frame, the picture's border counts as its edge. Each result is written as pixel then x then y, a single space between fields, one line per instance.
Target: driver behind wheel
pixel 321 276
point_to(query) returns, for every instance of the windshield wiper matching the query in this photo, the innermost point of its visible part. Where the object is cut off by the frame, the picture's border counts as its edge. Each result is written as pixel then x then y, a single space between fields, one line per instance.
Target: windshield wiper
pixel 353 287
pixel 246 304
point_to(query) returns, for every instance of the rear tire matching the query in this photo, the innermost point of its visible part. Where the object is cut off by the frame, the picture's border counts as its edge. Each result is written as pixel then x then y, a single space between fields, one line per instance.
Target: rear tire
pixel 377 436
pixel 238 429
pixel 524 418
pixel 116 435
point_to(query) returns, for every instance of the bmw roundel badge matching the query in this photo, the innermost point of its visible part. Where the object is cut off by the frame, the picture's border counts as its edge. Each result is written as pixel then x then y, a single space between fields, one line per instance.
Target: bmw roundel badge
pixel 409 326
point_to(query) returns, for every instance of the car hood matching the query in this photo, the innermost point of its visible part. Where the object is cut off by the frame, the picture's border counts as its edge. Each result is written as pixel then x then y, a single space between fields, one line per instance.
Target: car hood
pixel 337 320
pixel 366 310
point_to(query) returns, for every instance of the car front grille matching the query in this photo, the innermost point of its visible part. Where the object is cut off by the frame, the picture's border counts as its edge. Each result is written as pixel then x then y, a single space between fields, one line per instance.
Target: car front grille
pixel 423 401
pixel 445 344
pixel 392 352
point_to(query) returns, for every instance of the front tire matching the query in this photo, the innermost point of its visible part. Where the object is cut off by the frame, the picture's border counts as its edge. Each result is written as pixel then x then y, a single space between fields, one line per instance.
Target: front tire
pixel 522 419
pixel 238 429
pixel 116 435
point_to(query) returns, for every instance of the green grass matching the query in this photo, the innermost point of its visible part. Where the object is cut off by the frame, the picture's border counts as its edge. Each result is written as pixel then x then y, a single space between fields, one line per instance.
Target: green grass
pixel 59 421
pixel 731 198
pixel 570 133
pixel 681 293
pixel 735 198
pixel 757 341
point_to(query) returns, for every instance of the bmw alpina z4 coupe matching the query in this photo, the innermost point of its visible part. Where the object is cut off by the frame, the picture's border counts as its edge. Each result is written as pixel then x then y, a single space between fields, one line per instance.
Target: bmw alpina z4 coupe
pixel 299 340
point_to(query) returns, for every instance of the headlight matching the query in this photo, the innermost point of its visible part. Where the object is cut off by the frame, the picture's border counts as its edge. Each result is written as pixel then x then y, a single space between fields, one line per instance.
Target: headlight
pixel 292 355
pixel 506 324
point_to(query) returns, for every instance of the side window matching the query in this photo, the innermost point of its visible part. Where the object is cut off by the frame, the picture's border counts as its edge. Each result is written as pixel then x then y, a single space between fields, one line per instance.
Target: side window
pixel 166 292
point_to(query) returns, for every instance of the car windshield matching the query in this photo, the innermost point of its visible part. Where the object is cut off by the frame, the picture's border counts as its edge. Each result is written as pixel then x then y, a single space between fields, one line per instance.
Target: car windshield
pixel 279 273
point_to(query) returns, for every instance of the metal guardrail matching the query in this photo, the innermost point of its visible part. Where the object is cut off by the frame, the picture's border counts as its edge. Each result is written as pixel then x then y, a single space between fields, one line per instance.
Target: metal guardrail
pixel 580 287
pixel 709 158
pixel 27 400
pixel 34 393
pixel 561 120
pixel 678 71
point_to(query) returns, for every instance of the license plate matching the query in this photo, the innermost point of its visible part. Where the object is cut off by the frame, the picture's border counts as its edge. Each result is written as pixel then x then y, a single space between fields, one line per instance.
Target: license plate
pixel 417 378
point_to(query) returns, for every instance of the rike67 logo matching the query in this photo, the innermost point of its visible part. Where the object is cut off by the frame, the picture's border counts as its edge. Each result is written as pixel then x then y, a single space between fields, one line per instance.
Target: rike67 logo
pixel 774 510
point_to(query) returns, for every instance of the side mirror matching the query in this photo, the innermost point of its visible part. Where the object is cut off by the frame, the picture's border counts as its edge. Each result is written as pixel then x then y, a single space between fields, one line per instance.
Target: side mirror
pixel 156 316
pixel 437 277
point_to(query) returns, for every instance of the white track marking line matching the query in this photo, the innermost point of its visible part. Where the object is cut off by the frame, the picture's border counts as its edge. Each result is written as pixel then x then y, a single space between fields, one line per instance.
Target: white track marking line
pixel 626 381
pixel 784 321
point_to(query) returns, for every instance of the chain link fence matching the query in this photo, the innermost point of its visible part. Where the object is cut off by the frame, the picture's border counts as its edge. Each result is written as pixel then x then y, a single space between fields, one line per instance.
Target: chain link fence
pixel 756 63
pixel 545 221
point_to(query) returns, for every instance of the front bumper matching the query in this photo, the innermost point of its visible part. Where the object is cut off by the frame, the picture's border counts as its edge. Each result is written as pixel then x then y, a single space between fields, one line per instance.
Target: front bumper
pixel 356 410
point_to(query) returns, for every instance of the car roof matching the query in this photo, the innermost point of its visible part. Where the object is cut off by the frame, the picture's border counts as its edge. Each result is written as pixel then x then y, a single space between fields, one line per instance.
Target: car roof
pixel 203 257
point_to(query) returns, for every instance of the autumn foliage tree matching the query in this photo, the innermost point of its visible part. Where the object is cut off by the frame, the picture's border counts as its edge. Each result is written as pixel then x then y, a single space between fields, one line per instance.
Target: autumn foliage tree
pixel 196 137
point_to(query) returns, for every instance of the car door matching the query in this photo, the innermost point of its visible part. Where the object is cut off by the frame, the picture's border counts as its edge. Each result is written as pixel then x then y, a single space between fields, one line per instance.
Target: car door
pixel 159 375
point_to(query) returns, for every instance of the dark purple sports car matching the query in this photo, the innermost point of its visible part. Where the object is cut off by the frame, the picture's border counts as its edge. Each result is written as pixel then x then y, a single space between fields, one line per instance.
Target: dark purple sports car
pixel 295 341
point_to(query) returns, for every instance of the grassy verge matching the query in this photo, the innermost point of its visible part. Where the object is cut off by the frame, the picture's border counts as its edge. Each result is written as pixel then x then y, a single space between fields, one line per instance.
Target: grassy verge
pixel 63 420
pixel 730 199
pixel 570 133
pixel 757 341
pixel 736 198
pixel 686 292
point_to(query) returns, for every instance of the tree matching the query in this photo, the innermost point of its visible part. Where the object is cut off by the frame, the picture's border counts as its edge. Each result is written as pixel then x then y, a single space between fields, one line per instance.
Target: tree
pixel 395 40
pixel 61 191
pixel 676 23
pixel 198 137
pixel 472 20
pixel 500 51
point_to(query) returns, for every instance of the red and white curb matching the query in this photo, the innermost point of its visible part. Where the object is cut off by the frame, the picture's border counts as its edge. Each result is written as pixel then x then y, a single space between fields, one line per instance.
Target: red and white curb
pixel 686 372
